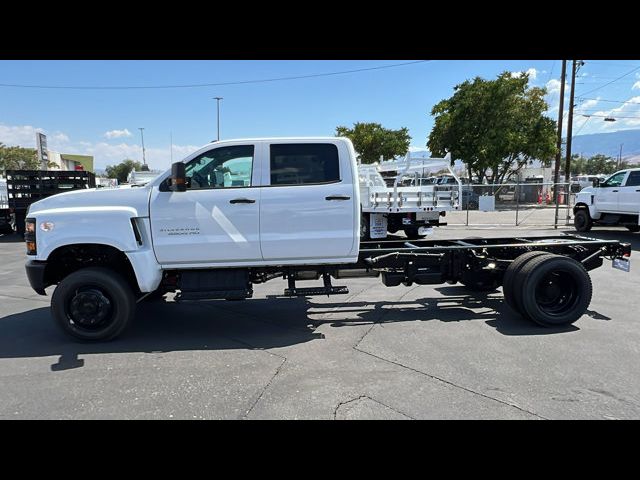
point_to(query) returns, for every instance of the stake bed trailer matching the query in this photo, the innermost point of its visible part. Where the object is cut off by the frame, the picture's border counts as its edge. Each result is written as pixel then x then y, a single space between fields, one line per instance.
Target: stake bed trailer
pixel 242 212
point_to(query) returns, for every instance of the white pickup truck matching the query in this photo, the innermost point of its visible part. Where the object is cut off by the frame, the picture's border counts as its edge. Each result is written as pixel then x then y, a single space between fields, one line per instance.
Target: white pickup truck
pixel 242 212
pixel 615 201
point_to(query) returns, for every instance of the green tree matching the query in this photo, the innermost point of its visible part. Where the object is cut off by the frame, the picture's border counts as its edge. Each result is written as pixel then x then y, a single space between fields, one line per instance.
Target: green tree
pixel 495 127
pixel 18 158
pixel 372 140
pixel 121 171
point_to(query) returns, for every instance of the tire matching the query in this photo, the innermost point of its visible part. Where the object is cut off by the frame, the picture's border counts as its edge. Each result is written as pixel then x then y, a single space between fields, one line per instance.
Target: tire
pixel 582 220
pixel 556 290
pixel 93 304
pixel 633 228
pixel 511 274
pixel 412 233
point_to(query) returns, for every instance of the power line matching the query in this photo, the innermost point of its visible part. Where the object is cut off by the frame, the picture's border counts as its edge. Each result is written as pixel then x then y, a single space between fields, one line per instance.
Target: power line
pixel 612 81
pixel 612 115
pixel 198 85
pixel 611 101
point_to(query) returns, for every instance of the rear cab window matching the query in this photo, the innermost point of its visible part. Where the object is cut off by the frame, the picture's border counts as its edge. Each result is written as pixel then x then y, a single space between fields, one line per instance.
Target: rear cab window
pixel 304 164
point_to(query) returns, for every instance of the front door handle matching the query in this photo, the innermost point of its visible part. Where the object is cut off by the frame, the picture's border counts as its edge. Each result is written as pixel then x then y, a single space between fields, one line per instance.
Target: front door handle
pixel 242 200
pixel 615 191
pixel 338 197
pixel 637 190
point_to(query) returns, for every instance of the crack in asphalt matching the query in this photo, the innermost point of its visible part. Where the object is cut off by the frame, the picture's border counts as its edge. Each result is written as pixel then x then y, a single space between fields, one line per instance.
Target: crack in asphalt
pixel 264 389
pixel 433 377
pixel 341 404
pixel 452 384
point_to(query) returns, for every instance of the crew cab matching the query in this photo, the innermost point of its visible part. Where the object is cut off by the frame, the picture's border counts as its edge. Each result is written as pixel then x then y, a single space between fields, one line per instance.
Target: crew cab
pixel 238 213
pixel 615 201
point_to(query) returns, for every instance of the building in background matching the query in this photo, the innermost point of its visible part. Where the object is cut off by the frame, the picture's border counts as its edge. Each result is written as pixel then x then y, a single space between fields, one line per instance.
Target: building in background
pixel 68 161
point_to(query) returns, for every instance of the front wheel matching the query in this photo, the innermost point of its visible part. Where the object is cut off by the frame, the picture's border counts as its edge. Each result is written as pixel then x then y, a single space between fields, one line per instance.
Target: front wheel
pixel 93 304
pixel 582 220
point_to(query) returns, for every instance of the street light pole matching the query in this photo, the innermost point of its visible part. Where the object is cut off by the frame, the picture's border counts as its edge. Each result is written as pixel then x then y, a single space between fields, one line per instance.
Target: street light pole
pixel 144 160
pixel 218 109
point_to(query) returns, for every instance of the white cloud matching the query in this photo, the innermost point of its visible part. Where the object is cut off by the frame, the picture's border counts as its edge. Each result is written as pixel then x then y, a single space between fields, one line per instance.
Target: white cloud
pixel 636 86
pixel 588 104
pixel 60 137
pixel 533 73
pixel 117 133
pixel 19 135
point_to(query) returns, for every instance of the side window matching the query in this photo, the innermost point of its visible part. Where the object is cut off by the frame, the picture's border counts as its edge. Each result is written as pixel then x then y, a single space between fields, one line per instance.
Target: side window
pixel 615 180
pixel 634 179
pixel 224 167
pixel 304 163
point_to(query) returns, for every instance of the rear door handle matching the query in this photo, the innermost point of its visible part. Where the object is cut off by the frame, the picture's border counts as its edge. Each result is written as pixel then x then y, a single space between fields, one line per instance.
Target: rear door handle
pixel 338 197
pixel 614 190
pixel 242 200
pixel 637 190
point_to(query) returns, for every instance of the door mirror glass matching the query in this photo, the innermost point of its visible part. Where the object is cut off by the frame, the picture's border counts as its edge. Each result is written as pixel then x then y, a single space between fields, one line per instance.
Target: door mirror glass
pixel 596 182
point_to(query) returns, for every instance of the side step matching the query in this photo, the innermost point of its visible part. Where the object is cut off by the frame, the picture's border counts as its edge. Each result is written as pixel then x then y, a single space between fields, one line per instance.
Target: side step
pixel 303 292
pixel 327 289
pixel 213 295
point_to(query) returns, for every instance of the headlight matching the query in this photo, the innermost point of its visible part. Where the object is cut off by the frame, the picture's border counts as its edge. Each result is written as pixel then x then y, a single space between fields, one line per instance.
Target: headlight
pixel 30 236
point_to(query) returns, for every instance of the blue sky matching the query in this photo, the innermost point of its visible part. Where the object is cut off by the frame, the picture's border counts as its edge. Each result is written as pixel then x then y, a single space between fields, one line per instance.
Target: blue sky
pixel 105 123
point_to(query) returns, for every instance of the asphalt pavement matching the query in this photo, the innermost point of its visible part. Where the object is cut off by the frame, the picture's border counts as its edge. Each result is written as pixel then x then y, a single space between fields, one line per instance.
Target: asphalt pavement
pixel 420 352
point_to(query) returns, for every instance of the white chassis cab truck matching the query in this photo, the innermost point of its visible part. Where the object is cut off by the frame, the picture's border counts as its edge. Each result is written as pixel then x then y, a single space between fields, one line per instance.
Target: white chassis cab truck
pixel 238 213
pixel 410 204
pixel 615 201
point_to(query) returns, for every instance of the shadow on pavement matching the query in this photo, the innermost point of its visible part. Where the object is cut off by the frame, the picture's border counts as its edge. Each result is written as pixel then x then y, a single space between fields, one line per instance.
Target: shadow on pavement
pixel 254 324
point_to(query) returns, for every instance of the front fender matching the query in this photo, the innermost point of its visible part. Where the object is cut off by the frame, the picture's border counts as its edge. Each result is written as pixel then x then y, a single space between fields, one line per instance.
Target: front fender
pixel 102 225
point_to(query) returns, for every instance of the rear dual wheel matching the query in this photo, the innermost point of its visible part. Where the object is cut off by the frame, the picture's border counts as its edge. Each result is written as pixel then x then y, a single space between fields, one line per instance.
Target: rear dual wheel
pixel 548 289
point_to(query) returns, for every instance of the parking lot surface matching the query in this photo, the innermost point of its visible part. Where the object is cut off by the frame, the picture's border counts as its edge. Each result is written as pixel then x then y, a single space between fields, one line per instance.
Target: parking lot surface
pixel 420 352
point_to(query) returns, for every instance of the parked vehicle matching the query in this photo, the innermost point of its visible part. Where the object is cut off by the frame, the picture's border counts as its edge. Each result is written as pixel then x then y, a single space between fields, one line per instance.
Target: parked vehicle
pixel 297 217
pixel 616 201
pixel 584 181
pixel 5 213
pixel 27 186
pixel 413 203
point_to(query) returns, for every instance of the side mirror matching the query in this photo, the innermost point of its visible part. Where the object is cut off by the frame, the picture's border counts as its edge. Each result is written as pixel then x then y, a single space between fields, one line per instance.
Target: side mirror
pixel 596 182
pixel 178 178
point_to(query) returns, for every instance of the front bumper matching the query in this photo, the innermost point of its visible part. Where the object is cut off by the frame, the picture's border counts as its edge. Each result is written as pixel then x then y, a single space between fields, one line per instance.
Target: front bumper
pixel 35 274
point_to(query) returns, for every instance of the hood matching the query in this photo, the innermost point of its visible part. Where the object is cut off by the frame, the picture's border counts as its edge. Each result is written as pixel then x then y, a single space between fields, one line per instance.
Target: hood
pixel 587 190
pixel 136 198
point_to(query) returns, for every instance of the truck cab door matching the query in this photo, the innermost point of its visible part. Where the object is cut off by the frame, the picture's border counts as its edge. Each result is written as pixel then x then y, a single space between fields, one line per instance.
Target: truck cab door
pixel 216 220
pixel 607 194
pixel 630 194
pixel 310 202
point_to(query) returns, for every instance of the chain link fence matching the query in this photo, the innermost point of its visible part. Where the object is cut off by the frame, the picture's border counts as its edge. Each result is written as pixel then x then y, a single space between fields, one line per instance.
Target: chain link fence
pixel 515 204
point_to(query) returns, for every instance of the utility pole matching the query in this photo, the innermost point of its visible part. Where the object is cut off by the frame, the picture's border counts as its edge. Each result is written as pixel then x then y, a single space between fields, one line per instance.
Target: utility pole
pixel 144 160
pixel 559 143
pixel 218 109
pixel 567 169
pixel 620 156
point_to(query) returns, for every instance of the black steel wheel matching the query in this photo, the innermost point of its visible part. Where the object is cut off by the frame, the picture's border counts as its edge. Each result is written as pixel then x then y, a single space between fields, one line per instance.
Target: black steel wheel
pixel 556 290
pixel 582 220
pixel 93 304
